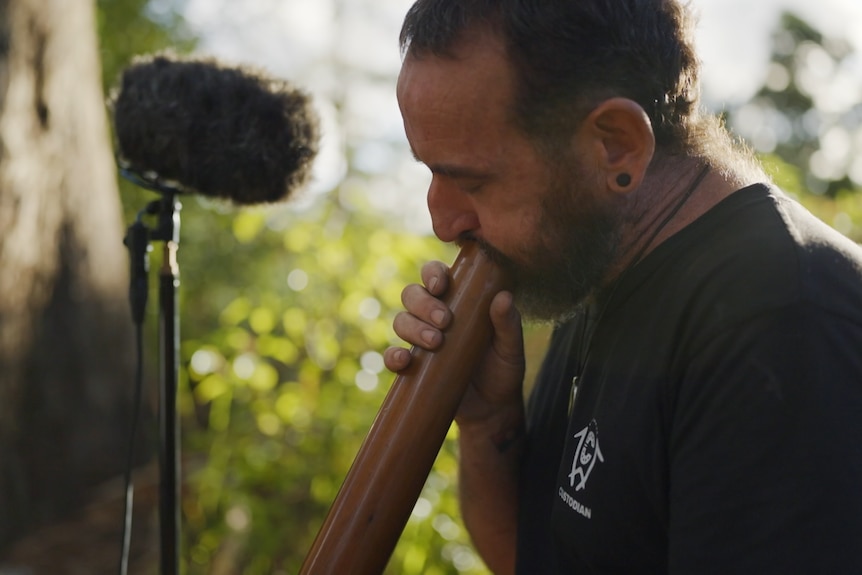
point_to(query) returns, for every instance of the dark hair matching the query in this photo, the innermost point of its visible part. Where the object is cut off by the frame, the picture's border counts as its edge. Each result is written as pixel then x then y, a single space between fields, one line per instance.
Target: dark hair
pixel 579 52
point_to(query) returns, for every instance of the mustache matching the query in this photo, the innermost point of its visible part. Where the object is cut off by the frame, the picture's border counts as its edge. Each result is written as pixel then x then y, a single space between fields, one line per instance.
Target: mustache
pixel 492 253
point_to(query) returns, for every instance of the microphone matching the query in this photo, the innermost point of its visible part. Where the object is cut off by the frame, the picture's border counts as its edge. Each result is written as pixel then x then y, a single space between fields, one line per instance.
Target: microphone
pixel 197 126
pixel 186 125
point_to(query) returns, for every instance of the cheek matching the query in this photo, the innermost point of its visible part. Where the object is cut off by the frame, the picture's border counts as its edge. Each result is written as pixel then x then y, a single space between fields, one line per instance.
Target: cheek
pixel 520 237
pixel 519 229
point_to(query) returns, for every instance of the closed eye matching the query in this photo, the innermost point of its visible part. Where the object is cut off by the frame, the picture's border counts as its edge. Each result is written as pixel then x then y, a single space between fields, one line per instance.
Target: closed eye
pixel 456 171
pixel 470 185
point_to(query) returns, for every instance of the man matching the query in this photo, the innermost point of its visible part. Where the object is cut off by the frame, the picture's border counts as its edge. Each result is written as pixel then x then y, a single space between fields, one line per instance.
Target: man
pixel 700 406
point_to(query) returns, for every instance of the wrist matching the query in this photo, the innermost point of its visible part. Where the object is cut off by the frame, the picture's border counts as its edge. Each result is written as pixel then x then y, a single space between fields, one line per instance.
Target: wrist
pixel 503 429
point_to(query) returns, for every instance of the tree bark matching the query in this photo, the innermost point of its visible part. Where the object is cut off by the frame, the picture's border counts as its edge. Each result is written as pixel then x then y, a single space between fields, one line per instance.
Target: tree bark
pixel 66 347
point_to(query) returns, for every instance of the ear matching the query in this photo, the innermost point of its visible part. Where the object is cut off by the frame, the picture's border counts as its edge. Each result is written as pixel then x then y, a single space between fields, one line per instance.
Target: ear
pixel 620 135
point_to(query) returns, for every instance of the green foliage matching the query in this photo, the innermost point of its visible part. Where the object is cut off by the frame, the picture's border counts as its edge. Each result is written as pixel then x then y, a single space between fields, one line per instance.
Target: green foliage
pixel 131 27
pixel 283 383
pixel 807 112
pixel 842 210
pixel 284 317
pixel 285 313
pixel 803 124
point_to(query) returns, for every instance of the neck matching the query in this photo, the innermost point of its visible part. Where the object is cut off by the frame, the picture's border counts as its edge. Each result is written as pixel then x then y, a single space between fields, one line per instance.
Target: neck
pixel 669 199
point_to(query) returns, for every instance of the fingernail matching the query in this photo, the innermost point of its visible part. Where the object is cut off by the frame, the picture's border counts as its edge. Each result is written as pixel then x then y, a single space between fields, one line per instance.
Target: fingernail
pixel 432 284
pixel 437 316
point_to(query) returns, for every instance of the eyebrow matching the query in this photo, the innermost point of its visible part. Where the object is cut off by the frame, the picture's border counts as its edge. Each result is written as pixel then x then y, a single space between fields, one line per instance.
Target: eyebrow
pixel 451 170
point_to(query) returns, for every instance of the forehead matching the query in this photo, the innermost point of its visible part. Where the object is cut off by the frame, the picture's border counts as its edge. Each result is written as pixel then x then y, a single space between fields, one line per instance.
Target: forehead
pixel 474 80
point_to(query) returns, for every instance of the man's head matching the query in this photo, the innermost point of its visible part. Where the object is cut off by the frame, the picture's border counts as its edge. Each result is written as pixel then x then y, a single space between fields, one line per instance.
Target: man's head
pixel 551 221
pixel 527 116
pixel 569 55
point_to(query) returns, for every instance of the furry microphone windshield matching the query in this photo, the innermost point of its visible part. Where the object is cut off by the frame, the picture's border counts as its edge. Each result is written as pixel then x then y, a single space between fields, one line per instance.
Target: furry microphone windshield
pixel 223 132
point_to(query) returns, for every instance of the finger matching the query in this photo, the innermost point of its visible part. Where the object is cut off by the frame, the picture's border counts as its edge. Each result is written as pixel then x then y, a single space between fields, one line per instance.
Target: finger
pixel 396 358
pixel 503 368
pixel 416 332
pixel 508 341
pixel 435 276
pixel 418 302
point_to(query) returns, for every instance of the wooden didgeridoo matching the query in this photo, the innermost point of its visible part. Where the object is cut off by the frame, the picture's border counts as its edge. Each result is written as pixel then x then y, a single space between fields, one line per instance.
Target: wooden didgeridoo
pixel 389 471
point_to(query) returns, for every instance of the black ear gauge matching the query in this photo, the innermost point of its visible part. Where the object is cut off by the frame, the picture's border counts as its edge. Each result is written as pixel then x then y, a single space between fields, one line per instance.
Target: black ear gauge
pixel 623 180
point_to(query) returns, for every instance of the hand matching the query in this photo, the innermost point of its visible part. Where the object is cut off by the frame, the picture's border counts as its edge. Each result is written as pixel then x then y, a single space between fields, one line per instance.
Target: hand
pixel 497 383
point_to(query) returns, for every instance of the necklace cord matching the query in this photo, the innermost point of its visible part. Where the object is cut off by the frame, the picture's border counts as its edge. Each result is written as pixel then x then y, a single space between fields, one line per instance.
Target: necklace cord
pixel 688 193
pixel 640 254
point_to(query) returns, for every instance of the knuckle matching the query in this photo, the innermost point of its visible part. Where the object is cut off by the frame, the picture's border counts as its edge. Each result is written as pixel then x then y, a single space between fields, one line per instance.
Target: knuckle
pixel 407 294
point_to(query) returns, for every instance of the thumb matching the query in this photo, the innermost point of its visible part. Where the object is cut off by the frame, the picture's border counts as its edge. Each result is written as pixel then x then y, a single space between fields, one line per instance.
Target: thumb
pixel 508 340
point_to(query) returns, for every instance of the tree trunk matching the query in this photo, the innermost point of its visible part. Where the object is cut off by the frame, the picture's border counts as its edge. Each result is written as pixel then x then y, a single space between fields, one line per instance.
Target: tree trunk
pixel 66 347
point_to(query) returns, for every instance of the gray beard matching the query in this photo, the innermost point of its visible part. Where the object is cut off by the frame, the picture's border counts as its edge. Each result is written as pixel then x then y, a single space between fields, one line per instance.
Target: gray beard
pixel 555 286
pixel 575 248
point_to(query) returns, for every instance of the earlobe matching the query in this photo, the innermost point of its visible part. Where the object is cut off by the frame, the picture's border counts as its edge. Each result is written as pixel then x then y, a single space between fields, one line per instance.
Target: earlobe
pixel 624 142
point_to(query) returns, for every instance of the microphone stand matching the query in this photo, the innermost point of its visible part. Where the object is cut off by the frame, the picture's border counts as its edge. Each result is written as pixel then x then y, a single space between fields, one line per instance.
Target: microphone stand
pixel 167 231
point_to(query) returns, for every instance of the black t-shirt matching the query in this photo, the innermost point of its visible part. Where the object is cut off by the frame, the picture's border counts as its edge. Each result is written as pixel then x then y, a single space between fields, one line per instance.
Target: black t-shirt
pixel 717 424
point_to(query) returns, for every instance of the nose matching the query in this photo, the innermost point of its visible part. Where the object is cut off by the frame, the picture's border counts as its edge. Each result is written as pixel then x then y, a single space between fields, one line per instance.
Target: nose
pixel 452 211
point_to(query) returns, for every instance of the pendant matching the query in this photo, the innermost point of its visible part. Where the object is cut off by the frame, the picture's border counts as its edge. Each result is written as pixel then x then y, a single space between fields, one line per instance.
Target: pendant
pixel 572 392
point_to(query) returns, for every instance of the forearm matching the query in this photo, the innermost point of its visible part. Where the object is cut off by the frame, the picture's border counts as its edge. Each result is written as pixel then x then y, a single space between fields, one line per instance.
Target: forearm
pixel 490 453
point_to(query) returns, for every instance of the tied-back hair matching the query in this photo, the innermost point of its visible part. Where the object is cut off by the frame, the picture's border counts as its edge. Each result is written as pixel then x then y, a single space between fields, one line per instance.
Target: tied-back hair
pixel 569 55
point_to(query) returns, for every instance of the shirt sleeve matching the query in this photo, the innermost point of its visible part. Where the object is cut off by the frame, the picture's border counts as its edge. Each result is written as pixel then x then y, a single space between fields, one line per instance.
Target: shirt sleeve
pixel 765 449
